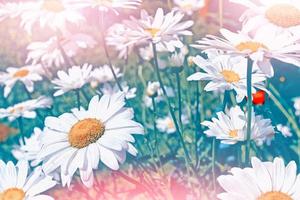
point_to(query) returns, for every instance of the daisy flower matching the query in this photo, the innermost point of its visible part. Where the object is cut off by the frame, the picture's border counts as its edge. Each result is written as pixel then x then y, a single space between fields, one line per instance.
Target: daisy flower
pixel 106 5
pixel 103 74
pixel 163 29
pixel 75 78
pixel 189 6
pixel 49 52
pixel 279 181
pixel 278 16
pixel 152 89
pixel 13 10
pixel 231 127
pixel 285 130
pixel 25 109
pixel 260 47
pixel 17 184
pixel 226 73
pixel 29 150
pixel 130 93
pixel 166 124
pixel 27 75
pixel 82 138
pixel 176 59
pixel 53 14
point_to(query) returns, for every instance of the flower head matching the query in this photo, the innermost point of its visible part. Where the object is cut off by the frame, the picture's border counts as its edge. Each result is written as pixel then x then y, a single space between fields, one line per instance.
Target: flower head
pixel 53 14
pixel 27 75
pixel 163 29
pixel 260 47
pixel 231 126
pixel 189 6
pixel 25 109
pixel 279 181
pixel 227 73
pixel 17 184
pixel 75 78
pixel 278 16
pixel 82 138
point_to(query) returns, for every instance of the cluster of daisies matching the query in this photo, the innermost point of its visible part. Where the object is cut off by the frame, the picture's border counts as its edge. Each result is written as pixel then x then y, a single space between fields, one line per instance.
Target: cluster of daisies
pixel 76 141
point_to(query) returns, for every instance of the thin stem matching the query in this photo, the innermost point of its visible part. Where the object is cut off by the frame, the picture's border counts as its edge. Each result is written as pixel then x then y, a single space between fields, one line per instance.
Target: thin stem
pixel 179 98
pixel 155 133
pixel 187 157
pixel 107 54
pixel 197 121
pixel 249 109
pixel 78 98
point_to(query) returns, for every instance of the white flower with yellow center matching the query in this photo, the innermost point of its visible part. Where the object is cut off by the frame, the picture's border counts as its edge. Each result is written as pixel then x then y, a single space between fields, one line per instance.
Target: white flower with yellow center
pixel 231 127
pixel 53 14
pixel 162 29
pixel 82 138
pixel 189 6
pixel 29 150
pixel 49 52
pixel 279 16
pixel 106 5
pixel 17 184
pixel 27 75
pixel 109 89
pixel 226 73
pixel 262 181
pixel 261 47
pixel 75 78
pixel 25 109
pixel 166 124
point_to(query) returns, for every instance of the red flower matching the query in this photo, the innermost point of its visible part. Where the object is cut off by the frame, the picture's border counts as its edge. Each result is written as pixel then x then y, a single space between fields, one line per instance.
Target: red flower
pixel 259 97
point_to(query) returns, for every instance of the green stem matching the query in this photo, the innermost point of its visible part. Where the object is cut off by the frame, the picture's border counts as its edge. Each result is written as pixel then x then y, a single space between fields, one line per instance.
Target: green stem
pixel 107 54
pixel 249 109
pixel 179 98
pixel 187 157
pixel 21 128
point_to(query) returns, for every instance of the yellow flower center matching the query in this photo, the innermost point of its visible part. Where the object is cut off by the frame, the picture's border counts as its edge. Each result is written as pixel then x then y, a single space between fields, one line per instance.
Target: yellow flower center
pixel 53 6
pixel 187 6
pixel 16 109
pixel 274 196
pixel 283 15
pixel 13 194
pixel 250 45
pixel 230 76
pixel 233 133
pixel 21 73
pixel 153 31
pixel 85 132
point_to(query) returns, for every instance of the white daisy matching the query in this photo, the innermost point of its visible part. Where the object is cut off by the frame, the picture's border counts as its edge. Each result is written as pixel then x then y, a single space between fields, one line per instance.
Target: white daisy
pixel 285 130
pixel 29 150
pixel 262 181
pixel 17 184
pixel 297 105
pixel 109 89
pixel 159 96
pixel 82 138
pixel 103 74
pixel 166 124
pixel 260 48
pixel 53 14
pixel 189 6
pixel 12 10
pixel 106 5
pixel 27 75
pixel 75 78
pixel 278 16
pixel 231 127
pixel 161 29
pixel 177 58
pixel 25 109
pixel 49 52
pixel 227 73
pixel 146 53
